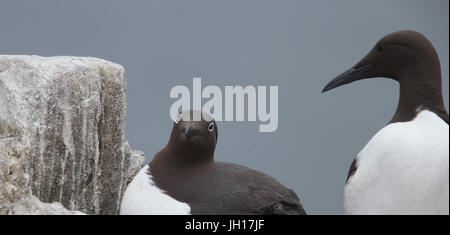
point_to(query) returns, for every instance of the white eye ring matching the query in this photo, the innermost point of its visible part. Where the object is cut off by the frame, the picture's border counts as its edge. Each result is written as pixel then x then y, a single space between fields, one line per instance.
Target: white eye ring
pixel 211 126
pixel 177 120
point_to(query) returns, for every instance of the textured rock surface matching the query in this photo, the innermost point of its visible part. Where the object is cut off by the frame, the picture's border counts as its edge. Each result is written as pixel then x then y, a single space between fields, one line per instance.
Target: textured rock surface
pixel 62 123
pixel 135 164
pixel 14 182
pixel 33 206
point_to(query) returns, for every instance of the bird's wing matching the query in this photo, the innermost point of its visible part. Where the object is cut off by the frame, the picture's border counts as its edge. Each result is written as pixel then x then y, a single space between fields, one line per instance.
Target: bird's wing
pixel 282 207
pixel 254 192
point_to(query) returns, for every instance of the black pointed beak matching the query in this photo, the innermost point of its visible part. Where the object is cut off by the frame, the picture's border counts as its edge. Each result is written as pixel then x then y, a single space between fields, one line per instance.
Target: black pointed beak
pixel 190 132
pixel 346 77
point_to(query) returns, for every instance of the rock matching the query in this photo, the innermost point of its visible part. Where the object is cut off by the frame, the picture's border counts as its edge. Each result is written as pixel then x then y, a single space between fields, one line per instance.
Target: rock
pixel 135 164
pixel 33 206
pixel 14 182
pixel 62 123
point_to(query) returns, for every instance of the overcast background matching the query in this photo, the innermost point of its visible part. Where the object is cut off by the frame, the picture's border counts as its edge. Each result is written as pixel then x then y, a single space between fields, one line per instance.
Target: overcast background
pixel 297 45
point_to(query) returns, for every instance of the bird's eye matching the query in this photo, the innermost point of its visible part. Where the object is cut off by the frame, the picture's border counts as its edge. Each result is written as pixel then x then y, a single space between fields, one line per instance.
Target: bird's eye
pixel 380 47
pixel 177 120
pixel 211 126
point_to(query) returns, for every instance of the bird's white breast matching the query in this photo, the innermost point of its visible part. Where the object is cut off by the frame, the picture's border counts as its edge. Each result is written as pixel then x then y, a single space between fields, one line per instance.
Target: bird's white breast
pixel 143 197
pixel 404 169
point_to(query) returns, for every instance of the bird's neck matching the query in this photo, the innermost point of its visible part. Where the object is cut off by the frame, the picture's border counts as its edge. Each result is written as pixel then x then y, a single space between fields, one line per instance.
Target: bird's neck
pixel 420 93
pixel 167 168
pixel 178 158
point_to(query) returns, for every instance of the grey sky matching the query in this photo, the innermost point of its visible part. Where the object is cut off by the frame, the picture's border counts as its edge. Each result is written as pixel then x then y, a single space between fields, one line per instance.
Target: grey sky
pixel 297 45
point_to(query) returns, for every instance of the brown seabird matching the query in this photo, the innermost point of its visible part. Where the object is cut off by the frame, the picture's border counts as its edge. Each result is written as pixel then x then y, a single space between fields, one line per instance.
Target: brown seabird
pixel 404 168
pixel 183 178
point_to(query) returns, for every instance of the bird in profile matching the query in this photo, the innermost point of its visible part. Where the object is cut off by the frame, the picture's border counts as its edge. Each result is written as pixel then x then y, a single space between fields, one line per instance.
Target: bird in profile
pixel 183 178
pixel 404 168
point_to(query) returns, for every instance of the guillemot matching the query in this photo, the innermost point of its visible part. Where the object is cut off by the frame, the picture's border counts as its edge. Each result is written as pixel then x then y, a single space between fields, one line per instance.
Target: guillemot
pixel 404 168
pixel 183 178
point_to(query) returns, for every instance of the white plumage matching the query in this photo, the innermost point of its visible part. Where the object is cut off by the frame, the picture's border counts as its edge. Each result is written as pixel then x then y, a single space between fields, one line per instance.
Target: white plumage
pixel 143 197
pixel 404 169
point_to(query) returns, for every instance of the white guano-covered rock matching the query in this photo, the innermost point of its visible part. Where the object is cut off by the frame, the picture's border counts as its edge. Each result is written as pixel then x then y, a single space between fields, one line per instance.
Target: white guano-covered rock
pixel 33 206
pixel 62 122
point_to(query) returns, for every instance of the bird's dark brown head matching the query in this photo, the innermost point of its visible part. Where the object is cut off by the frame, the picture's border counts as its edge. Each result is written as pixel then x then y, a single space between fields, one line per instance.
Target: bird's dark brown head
pixel 409 58
pixel 405 56
pixel 194 141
